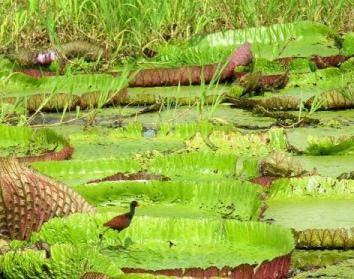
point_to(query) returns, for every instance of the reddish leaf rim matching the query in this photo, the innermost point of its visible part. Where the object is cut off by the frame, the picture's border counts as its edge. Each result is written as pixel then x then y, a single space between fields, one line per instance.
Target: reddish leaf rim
pixel 277 268
pixel 64 154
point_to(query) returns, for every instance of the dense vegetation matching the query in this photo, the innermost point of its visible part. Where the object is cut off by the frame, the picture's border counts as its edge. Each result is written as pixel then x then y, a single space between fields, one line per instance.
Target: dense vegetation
pixel 126 27
pixel 229 122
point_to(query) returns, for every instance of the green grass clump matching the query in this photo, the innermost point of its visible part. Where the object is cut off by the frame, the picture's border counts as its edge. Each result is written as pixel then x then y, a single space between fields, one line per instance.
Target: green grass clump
pixel 128 26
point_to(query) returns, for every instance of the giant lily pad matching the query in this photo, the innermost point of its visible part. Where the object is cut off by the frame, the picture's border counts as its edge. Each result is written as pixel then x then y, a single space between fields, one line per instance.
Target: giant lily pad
pixel 323 140
pixel 299 39
pixel 56 93
pixel 318 209
pixel 324 89
pixel 33 145
pixel 348 42
pixel 224 198
pixel 75 172
pixel 332 165
pixel 197 245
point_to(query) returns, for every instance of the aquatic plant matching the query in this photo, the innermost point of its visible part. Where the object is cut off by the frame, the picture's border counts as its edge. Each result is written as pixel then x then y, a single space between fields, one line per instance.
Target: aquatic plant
pixel 75 172
pixel 191 238
pixel 280 164
pixel 312 206
pixel 66 261
pixel 33 145
pixel 226 198
pixel 28 199
pixel 330 145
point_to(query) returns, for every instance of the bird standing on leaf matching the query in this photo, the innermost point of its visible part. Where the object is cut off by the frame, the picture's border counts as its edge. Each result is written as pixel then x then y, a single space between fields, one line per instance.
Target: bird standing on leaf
pixel 121 222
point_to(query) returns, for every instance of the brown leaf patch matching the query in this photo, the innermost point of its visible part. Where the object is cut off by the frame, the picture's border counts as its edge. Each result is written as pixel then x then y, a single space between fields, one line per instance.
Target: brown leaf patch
pixel 121 176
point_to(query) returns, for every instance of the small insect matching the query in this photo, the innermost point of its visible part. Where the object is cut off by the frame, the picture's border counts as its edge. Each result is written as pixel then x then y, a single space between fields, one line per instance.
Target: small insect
pixel 171 244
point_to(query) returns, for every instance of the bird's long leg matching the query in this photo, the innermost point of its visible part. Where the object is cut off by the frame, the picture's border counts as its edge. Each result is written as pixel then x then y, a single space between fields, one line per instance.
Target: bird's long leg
pixel 120 240
pixel 101 235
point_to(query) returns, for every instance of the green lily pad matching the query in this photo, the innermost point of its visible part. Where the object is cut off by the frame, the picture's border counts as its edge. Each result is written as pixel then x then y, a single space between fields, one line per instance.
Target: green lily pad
pixel 225 198
pixel 196 243
pixel 348 44
pixel 318 209
pixel 24 142
pixel 299 39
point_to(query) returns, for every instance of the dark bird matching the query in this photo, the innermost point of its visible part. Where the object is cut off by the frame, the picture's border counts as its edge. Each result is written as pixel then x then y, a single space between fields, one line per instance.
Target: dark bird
pixel 121 222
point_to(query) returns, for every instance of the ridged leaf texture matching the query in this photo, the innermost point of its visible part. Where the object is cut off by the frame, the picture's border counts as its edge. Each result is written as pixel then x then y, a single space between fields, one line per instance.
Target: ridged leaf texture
pixel 28 199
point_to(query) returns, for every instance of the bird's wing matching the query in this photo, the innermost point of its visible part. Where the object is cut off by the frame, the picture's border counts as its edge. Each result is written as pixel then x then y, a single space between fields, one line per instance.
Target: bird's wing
pixel 118 222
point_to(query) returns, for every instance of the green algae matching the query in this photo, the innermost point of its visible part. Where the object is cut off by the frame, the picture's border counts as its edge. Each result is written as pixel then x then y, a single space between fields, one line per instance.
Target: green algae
pixel 335 119
pixel 105 143
pixel 296 66
pixel 182 95
pixel 242 144
pixel 266 67
pixel 194 164
pixel 288 188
